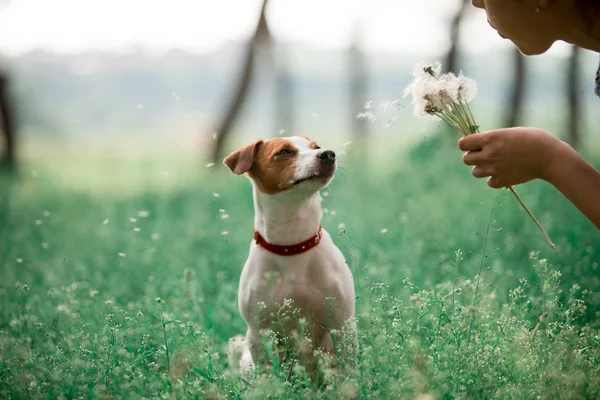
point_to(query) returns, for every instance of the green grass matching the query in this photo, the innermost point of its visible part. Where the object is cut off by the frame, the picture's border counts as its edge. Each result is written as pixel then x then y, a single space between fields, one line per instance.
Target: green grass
pixel 92 307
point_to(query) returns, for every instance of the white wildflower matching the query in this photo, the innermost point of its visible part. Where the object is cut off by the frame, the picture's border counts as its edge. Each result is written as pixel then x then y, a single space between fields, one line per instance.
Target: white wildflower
pixel 105 221
pixel 216 194
pixel 122 255
pixel 384 231
pixel 38 221
pixel 223 216
pixel 136 229
pixel 224 233
pixel 132 219
pixel 19 260
pixel 47 213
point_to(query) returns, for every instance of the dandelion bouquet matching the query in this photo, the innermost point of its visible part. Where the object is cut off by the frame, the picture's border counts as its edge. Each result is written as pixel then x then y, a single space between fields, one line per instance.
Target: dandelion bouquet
pixel 447 97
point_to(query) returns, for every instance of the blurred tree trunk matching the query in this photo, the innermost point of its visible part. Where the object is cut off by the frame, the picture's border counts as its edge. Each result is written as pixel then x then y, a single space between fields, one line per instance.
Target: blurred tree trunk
pixel 358 87
pixel 451 63
pixel 517 95
pixel 573 126
pixel 284 101
pixel 261 37
pixel 7 123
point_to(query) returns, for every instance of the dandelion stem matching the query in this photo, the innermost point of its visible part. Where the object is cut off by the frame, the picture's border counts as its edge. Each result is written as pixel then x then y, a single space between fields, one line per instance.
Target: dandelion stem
pixel 533 218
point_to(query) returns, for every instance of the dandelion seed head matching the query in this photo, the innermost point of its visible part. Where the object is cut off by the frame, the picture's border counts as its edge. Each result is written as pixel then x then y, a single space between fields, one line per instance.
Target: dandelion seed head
pixel 467 88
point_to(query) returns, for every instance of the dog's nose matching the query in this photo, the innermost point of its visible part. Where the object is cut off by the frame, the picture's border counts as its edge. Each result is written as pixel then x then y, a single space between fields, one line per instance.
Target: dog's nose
pixel 327 155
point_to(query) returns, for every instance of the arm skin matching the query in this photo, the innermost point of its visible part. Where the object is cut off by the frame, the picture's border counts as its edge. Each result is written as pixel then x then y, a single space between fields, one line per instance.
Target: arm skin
pixel 517 155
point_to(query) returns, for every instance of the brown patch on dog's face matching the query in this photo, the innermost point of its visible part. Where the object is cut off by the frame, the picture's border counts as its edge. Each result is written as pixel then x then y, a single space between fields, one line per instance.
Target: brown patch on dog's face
pixel 281 164
pixel 274 166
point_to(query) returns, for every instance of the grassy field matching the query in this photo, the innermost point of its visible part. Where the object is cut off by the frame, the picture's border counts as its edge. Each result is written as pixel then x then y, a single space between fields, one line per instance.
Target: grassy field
pixel 119 280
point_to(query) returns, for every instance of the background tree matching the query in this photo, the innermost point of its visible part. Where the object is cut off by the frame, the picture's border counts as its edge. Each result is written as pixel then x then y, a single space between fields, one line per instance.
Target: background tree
pixel 573 122
pixel 261 37
pixel 517 95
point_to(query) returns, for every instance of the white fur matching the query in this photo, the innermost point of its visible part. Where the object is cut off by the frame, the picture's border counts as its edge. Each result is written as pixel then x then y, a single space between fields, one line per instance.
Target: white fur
pixel 308 279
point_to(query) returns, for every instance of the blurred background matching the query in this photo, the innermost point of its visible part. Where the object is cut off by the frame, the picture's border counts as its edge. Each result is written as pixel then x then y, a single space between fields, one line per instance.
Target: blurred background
pixel 198 76
pixel 119 226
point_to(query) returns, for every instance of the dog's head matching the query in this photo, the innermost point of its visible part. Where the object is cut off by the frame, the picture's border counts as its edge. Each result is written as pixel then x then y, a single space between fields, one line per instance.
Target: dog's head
pixel 283 164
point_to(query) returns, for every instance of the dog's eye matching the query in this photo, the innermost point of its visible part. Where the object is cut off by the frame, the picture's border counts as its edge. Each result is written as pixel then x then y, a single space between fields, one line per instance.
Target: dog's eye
pixel 284 152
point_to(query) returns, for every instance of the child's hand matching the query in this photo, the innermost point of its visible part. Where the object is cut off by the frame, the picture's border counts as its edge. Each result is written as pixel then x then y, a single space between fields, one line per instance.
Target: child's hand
pixel 512 156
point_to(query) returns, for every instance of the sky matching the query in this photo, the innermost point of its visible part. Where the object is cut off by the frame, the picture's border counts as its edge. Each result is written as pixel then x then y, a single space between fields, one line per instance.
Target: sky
pixel 201 26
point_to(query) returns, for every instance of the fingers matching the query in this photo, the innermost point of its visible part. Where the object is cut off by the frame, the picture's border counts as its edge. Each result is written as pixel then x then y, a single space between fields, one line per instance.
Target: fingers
pixel 472 142
pixel 481 172
pixel 495 183
pixel 473 157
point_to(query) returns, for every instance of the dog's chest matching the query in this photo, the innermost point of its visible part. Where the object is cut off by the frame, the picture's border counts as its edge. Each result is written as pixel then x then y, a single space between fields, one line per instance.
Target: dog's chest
pixel 301 282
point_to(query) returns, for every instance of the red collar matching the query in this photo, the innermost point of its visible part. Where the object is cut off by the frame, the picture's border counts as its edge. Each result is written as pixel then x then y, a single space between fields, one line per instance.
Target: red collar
pixel 289 250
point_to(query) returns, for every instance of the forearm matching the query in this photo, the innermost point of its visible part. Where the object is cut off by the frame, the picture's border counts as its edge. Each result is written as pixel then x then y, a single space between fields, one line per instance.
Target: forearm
pixel 577 180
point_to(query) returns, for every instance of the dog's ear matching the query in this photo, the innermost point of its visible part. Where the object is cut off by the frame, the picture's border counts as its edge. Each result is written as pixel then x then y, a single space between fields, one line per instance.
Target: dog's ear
pixel 240 161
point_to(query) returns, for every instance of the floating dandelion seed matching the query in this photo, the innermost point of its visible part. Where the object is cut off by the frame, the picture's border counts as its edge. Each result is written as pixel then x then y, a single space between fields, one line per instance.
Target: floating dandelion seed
pixel 47 213
pixel 19 260
pixel 333 212
pixel 210 164
pixel 447 97
pixel 105 221
pixel 221 210
pixel 216 194
pixel 136 229
pixel 282 132
pixel 384 231
pixel 224 233
pixel 132 219
pixel 38 221
pixel 347 144
pixel 143 214
pixel 155 236
pixel 223 216
pixel 122 255
pixel 44 245
pixel 325 194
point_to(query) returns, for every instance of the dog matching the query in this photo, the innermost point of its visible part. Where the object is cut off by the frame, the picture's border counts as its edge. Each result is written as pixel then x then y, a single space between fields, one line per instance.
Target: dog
pixel 292 258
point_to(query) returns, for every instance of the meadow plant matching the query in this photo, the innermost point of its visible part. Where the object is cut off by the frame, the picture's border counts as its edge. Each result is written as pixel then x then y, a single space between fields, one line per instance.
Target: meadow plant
pixel 447 97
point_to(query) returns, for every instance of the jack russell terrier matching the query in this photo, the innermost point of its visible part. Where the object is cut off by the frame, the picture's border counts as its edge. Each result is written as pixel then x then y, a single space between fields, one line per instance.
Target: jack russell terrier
pixel 291 256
